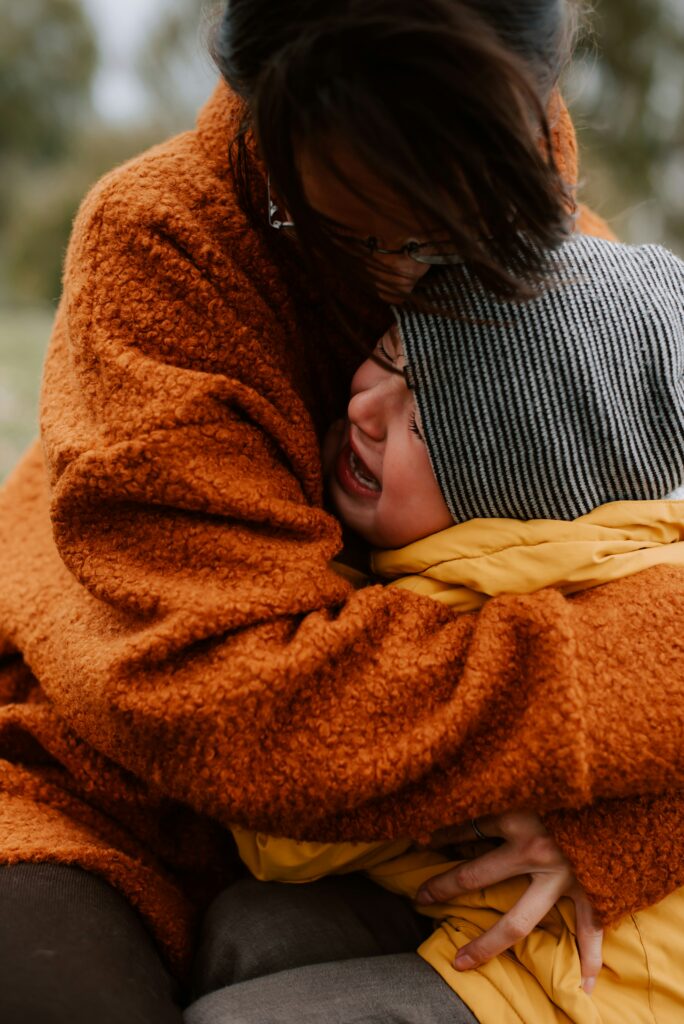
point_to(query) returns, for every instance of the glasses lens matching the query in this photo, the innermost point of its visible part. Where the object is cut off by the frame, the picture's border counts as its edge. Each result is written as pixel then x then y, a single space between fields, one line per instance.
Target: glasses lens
pixel 435 255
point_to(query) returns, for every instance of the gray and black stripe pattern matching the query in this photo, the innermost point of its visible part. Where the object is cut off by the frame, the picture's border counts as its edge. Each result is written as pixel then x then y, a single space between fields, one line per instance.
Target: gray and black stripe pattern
pixel 549 408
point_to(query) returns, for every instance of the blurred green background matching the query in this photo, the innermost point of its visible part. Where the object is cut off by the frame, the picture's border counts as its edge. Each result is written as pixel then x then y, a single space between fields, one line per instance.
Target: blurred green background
pixel 84 84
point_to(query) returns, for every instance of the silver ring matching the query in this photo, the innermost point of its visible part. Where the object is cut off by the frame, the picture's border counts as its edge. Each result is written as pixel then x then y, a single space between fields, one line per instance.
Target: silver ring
pixel 479 834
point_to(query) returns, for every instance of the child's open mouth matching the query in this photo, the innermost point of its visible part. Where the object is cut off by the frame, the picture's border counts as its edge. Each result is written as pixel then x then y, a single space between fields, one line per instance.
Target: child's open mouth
pixel 354 476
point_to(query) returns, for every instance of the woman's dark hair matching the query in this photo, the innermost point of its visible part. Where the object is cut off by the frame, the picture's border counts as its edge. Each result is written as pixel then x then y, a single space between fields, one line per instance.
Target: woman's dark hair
pixel 444 100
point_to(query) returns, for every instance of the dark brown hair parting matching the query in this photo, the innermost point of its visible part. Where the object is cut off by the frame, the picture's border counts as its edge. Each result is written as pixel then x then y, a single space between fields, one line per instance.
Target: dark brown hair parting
pixel 444 100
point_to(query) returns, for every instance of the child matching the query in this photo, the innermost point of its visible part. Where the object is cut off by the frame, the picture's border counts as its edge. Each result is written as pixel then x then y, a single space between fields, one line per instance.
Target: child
pixel 538 413
pixel 506 448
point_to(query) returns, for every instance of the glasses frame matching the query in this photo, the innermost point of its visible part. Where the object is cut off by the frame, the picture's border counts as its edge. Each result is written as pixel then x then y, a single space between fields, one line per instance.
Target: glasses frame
pixel 411 249
pixel 273 219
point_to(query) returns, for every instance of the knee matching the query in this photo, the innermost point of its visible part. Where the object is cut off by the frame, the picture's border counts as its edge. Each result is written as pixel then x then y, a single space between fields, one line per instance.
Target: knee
pixel 254 928
pixel 71 948
pixel 236 937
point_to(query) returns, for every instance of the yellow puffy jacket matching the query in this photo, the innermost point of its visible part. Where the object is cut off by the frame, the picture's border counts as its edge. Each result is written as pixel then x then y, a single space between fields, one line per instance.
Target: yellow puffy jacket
pixel 538 981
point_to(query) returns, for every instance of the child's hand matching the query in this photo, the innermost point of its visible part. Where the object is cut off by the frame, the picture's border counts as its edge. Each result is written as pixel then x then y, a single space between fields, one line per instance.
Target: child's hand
pixel 524 848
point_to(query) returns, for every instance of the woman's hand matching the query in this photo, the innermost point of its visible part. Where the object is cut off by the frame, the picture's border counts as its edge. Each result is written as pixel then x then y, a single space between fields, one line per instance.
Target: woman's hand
pixel 527 849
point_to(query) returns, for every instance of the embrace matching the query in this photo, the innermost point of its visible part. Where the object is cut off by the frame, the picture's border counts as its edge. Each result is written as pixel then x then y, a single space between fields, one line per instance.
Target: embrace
pixel 342 602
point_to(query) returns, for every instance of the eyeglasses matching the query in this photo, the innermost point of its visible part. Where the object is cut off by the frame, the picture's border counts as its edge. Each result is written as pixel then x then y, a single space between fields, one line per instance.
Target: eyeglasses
pixel 431 253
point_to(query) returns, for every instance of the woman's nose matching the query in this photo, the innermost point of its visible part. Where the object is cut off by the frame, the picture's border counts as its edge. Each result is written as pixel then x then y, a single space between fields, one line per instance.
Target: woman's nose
pixel 399 273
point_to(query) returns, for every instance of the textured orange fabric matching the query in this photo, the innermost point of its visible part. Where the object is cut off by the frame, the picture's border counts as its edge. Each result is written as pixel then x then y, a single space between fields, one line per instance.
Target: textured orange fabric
pixel 176 653
pixel 565 150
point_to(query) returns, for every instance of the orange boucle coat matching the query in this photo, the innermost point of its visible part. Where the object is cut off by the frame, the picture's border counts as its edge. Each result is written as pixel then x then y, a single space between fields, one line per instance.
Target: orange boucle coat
pixel 176 653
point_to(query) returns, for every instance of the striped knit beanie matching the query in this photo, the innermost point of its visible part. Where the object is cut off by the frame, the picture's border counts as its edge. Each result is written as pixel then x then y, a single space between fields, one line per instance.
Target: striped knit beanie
pixel 546 409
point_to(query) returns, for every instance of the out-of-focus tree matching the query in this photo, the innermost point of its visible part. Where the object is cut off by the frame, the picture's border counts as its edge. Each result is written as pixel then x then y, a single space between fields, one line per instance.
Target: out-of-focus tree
pixel 53 147
pixel 175 65
pixel 48 56
pixel 626 90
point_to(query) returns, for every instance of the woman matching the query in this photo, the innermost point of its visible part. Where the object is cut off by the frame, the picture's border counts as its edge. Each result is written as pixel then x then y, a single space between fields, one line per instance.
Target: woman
pixel 178 656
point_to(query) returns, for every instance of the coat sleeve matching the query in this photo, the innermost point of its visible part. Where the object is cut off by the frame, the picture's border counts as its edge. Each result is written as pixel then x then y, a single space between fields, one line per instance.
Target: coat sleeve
pixel 627 854
pixel 167 580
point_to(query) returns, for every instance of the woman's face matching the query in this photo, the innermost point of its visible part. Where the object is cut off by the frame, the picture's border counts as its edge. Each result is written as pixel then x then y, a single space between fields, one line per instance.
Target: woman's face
pixel 376 462
pixel 368 210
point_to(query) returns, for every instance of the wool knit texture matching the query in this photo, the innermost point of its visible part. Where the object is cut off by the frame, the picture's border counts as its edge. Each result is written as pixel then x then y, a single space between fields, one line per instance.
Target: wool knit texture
pixel 549 408
pixel 176 653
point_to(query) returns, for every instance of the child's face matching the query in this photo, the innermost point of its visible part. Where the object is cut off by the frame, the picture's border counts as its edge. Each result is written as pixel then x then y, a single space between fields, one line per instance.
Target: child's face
pixel 377 464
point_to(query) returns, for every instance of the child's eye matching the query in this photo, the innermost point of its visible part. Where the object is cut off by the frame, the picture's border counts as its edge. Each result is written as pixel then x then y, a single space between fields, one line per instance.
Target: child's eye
pixel 388 357
pixel 414 426
pixel 391 346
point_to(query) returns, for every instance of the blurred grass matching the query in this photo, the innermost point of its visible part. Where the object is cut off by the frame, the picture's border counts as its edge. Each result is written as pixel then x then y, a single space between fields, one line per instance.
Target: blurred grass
pixel 24 335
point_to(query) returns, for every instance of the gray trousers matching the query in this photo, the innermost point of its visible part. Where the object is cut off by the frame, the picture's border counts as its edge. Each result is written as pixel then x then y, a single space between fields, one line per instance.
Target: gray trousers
pixel 339 951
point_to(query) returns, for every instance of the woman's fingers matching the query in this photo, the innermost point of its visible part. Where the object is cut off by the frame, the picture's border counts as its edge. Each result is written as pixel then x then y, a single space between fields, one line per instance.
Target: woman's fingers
pixel 512 825
pixel 465 833
pixel 494 866
pixel 543 893
pixel 527 849
pixel 589 939
pixel 529 854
